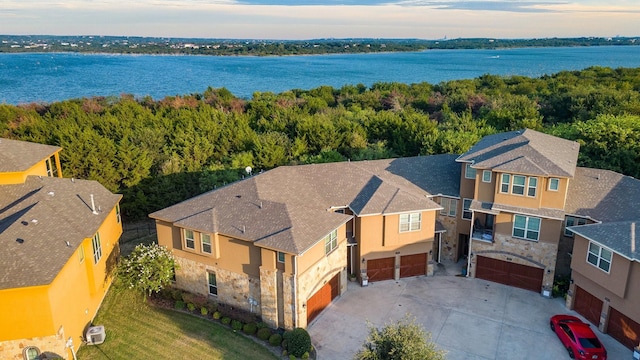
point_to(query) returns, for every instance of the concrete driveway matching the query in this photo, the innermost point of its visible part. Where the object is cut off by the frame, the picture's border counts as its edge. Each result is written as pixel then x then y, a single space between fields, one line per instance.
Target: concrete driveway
pixel 469 318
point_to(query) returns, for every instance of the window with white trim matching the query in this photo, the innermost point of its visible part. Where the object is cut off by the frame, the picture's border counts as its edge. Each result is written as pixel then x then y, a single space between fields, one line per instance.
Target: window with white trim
pixel 486 176
pixel 466 213
pixel 97 248
pixel 410 222
pixel 517 187
pixel 469 172
pixel 81 254
pixel 450 206
pixel 526 227
pixel 206 243
pixel 189 239
pixel 118 217
pixel 331 241
pixel 554 184
pixel 213 283
pixel 505 180
pixel 280 256
pixel 31 353
pixel 52 170
pixel 533 187
pixel 599 257
pixel 572 221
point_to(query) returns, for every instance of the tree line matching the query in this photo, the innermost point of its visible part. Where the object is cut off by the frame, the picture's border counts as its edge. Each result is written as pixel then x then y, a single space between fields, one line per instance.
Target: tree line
pixel 159 152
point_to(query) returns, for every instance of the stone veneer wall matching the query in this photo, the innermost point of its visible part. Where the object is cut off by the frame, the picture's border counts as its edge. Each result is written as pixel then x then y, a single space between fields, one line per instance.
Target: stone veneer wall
pixel 12 350
pixel 318 275
pixel 233 289
pixel 449 250
pixel 530 253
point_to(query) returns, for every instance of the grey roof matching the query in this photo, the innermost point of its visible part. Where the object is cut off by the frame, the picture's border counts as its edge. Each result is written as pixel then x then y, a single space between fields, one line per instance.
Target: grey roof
pixel 287 208
pixel 36 220
pixel 621 237
pixel 555 214
pixel 524 152
pixel 17 156
pixel 603 195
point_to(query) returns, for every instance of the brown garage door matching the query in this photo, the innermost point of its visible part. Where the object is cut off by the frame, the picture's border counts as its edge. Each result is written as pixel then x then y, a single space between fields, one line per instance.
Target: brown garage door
pixel 413 265
pixel 322 298
pixel 587 305
pixel 508 273
pixel 380 269
pixel 623 329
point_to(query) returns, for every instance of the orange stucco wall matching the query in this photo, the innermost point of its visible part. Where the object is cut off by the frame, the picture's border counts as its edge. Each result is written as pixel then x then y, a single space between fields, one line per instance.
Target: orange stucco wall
pixel 39 169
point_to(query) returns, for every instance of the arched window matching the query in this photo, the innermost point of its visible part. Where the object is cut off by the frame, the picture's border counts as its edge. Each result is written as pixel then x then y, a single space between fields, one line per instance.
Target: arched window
pixel 31 353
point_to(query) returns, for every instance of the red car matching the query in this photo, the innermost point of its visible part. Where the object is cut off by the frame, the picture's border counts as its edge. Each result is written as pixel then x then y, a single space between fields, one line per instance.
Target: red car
pixel 577 338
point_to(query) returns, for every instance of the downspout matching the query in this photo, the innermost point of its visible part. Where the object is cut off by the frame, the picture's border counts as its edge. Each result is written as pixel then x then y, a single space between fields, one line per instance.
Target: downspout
pixel 473 215
pixel 295 291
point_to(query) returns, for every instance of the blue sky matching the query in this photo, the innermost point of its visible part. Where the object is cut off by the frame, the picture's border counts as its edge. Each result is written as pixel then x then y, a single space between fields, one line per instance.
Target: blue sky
pixel 311 19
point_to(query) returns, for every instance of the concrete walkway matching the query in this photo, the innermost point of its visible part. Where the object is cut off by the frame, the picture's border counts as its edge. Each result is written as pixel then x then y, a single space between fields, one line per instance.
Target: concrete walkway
pixel 469 318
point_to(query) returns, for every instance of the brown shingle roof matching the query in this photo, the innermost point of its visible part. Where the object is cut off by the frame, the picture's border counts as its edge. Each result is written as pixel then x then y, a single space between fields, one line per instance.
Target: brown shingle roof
pixel 287 208
pixel 38 217
pixel 526 152
pixel 17 156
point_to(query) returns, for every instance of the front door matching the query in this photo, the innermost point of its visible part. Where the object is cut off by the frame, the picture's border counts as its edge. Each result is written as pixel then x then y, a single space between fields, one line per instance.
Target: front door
pixel 463 246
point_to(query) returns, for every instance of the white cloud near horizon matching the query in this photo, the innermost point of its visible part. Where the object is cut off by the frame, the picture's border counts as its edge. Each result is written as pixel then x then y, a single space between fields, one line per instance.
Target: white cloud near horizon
pixel 426 19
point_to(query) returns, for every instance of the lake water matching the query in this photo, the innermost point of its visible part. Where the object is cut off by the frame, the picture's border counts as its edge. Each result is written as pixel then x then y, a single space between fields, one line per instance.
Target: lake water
pixel 31 77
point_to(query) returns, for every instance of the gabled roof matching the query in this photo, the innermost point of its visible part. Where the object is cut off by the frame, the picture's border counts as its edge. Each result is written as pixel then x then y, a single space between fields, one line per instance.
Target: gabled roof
pixel 621 237
pixel 287 208
pixel 17 156
pixel 524 152
pixel 38 218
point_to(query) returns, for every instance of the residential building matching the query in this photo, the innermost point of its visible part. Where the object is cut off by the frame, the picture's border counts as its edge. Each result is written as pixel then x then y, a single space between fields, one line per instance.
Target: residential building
pixel 58 243
pixel 281 243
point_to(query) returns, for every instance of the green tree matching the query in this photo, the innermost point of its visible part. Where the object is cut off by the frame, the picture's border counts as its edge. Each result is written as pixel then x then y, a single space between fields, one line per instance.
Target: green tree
pixel 404 340
pixel 148 269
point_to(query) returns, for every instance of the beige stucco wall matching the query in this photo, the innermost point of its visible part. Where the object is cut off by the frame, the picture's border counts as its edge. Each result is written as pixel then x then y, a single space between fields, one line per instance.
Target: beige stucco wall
pixel 379 236
pixel 554 199
pixel 485 191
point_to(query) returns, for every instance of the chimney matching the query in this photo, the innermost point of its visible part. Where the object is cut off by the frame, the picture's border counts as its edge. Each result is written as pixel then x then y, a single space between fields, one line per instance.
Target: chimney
pixel 93 206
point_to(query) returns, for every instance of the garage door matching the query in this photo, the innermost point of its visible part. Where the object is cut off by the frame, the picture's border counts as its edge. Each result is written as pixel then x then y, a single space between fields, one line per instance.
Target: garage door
pixel 508 273
pixel 322 298
pixel 380 269
pixel 623 329
pixel 587 305
pixel 413 265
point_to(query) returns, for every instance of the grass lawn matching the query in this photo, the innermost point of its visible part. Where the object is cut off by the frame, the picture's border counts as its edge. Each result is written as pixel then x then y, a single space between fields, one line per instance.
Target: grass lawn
pixel 136 330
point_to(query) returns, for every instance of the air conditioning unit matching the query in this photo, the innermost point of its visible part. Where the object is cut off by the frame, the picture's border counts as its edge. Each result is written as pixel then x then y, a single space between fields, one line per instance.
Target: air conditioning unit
pixel 95 335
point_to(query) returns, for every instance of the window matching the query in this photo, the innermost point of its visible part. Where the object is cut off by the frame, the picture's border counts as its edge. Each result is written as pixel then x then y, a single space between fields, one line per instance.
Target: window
pixel 410 222
pixel 486 176
pixel 450 206
pixel 118 218
pixel 526 227
pixel 280 256
pixel 572 221
pixel 554 184
pixel 469 172
pixel 213 283
pixel 504 183
pixel 81 254
pixel 97 248
pixel 518 184
pixel 189 239
pixel 31 353
pixel 533 186
pixel 206 243
pixel 331 241
pixel 52 170
pixel 466 213
pixel 599 257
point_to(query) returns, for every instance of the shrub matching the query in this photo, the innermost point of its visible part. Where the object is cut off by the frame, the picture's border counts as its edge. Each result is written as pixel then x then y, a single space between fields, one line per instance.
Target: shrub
pixel 176 294
pixel 264 334
pixel 298 341
pixel 292 357
pixel 148 269
pixel 250 328
pixel 191 307
pixel 275 339
pixel 217 315
pixel 204 311
pixel 212 307
pixel 262 325
pixel 226 320
pixel 305 355
pixel 236 325
pixel 180 305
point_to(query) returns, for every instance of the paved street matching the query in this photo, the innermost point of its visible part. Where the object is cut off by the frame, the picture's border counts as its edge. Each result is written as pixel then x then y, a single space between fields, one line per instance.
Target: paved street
pixel 469 318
